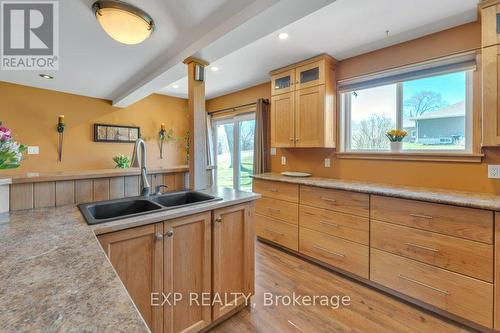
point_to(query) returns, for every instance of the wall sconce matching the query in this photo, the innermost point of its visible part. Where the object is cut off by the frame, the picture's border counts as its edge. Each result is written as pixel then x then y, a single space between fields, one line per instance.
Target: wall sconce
pixel 60 130
pixel 162 138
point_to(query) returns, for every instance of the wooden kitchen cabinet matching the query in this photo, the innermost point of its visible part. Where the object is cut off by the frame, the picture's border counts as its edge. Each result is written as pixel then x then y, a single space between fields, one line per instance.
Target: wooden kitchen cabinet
pixel 490 86
pixel 283 120
pixel 137 256
pixel 233 257
pixel 187 272
pixel 490 22
pixel 303 113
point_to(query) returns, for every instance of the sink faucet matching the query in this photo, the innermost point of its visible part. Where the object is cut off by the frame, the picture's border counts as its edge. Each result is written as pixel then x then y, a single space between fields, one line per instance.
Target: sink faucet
pixel 139 161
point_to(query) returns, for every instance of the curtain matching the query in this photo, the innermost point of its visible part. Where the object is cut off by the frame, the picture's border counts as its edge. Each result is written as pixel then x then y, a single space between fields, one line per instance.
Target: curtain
pixel 262 142
pixel 210 152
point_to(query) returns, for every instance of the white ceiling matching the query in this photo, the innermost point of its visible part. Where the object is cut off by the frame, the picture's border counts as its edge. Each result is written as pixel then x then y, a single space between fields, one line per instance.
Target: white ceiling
pixel 238 36
pixel 342 29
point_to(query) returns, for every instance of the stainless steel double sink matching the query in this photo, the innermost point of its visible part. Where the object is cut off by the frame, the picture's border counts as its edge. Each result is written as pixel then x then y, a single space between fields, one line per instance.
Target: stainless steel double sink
pixel 111 210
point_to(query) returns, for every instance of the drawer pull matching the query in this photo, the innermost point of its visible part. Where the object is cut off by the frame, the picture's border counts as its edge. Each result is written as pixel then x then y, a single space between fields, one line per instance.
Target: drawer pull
pixel 421 216
pixel 422 247
pixel 274 232
pixel 274 210
pixel 328 199
pixel 401 276
pixel 329 223
pixel 273 190
pixel 329 252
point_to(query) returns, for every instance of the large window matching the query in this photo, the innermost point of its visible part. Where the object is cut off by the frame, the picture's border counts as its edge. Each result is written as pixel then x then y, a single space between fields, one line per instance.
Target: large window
pixel 435 110
pixel 234 149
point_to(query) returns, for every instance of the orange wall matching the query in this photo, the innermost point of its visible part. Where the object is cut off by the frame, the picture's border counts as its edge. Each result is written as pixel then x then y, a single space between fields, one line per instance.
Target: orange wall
pixel 459 176
pixel 32 113
pixel 242 97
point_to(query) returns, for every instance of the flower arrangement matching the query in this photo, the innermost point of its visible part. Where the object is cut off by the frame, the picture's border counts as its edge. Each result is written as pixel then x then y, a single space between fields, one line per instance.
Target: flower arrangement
pixel 11 152
pixel 122 161
pixel 396 135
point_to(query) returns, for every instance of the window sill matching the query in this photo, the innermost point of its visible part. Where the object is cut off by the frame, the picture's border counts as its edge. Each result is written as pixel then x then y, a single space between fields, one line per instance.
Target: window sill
pixel 408 156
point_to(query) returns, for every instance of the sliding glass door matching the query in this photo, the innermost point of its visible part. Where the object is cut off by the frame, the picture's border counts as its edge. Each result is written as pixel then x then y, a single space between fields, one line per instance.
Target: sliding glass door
pixel 234 149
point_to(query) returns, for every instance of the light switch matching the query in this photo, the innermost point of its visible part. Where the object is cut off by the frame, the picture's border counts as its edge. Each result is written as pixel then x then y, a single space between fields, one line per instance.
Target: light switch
pixel 283 160
pixel 328 163
pixel 33 150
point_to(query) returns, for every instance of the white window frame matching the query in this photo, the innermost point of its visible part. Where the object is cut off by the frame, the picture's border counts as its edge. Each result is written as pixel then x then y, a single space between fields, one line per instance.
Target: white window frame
pixel 236 120
pixel 345 120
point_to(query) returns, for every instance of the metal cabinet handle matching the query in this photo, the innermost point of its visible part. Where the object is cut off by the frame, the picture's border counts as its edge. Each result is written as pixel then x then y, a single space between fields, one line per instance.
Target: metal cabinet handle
pixel 218 220
pixel 328 199
pixel 292 139
pixel 170 233
pixel 422 247
pixel 329 252
pixel 274 232
pixel 401 276
pixel 421 216
pixel 274 210
pixel 273 190
pixel 159 236
pixel 329 223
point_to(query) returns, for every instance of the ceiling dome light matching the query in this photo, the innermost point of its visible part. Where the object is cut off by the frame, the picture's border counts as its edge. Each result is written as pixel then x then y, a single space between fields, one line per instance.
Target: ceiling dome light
pixel 124 23
pixel 283 35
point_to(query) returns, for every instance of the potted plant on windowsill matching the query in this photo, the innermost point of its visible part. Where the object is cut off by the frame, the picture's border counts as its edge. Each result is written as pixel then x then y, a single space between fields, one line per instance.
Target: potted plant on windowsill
pixel 396 137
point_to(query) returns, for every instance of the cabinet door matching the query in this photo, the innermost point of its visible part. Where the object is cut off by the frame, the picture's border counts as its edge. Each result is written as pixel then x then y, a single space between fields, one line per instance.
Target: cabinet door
pixel 310 75
pixel 282 82
pixel 137 256
pixel 187 272
pixel 310 117
pixel 491 111
pixel 283 120
pixel 490 25
pixel 233 257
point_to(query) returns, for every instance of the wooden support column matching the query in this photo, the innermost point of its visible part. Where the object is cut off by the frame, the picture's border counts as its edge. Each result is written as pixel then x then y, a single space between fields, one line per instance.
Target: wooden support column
pixel 197 126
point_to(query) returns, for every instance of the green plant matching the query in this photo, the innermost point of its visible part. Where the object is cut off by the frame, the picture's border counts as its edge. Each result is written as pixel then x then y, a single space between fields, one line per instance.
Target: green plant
pixel 11 152
pixel 122 161
pixel 185 144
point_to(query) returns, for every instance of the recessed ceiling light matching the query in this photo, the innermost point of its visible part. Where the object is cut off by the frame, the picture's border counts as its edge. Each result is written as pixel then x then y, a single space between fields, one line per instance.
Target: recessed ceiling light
pixel 283 35
pixel 175 86
pixel 45 76
pixel 123 22
pixel 214 68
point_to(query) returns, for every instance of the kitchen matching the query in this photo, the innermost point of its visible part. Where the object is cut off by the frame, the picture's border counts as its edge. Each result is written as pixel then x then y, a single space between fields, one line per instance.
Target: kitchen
pixel 253 166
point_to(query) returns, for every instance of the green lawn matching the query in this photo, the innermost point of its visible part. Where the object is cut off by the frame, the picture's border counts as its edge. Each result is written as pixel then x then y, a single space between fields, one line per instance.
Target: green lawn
pixel 225 173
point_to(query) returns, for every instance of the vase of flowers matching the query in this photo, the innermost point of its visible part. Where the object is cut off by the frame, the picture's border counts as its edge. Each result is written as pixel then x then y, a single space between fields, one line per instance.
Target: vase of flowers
pixel 11 152
pixel 122 161
pixel 396 137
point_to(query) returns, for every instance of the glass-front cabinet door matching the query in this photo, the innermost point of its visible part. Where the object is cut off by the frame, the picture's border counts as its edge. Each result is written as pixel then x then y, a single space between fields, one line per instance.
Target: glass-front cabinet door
pixel 282 82
pixel 310 75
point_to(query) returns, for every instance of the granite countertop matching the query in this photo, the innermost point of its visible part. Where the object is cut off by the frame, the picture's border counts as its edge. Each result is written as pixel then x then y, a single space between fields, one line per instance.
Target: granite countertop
pixel 37 177
pixel 458 198
pixel 55 277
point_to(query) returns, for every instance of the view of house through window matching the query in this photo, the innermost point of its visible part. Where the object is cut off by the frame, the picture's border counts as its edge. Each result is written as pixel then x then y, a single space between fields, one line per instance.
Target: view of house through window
pixel 433 110
pixel 234 149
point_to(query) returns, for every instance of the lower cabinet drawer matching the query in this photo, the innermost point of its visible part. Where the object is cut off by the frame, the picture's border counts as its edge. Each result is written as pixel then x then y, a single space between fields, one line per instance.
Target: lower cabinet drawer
pixel 282 210
pixel 461 295
pixel 350 227
pixel 455 254
pixel 348 256
pixel 277 231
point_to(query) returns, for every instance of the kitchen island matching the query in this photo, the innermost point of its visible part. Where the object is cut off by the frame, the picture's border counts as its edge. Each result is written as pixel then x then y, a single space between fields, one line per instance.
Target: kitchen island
pixel 56 277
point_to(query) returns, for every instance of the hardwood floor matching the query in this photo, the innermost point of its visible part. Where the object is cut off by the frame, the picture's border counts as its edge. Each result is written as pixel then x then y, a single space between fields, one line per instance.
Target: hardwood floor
pixel 370 311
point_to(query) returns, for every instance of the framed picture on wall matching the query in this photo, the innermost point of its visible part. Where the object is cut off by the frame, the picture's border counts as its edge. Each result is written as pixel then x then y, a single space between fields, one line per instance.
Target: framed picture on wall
pixel 116 133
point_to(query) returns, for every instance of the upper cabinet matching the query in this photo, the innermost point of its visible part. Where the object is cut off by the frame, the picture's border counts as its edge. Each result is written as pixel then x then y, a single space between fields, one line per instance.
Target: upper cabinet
pixel 303 104
pixel 490 27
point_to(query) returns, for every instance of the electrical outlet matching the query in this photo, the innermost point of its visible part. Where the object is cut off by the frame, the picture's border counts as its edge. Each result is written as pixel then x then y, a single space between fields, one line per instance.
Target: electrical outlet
pixel 494 171
pixel 33 150
pixel 328 163
pixel 273 151
pixel 283 160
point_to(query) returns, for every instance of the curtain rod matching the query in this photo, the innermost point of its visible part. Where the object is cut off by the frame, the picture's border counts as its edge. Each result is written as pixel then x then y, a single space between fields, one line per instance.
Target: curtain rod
pixel 266 101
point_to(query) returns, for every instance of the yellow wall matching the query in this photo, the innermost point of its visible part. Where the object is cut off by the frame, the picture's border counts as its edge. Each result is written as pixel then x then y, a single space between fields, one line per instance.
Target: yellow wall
pixel 32 113
pixel 459 176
